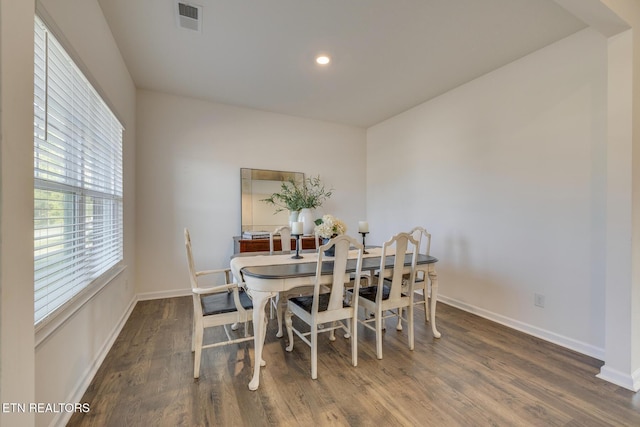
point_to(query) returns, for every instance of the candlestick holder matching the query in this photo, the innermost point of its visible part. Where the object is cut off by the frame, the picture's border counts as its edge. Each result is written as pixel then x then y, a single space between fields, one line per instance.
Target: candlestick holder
pixel 364 233
pixel 297 255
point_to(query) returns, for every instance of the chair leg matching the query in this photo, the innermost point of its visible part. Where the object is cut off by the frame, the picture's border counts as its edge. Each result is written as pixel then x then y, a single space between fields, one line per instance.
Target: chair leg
pixel 314 352
pixel 193 335
pixel 332 332
pixel 378 333
pixel 197 351
pixel 280 308
pixel 426 308
pixel 289 322
pixel 353 326
pixel 426 302
pixel 411 338
pixel 399 325
pixel 246 329
pixel 271 304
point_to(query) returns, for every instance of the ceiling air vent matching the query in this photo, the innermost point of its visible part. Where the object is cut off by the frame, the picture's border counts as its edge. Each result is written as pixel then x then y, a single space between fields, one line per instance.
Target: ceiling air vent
pixel 189 16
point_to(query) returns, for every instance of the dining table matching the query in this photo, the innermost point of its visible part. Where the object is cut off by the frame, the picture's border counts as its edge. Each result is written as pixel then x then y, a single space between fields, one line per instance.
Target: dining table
pixel 265 275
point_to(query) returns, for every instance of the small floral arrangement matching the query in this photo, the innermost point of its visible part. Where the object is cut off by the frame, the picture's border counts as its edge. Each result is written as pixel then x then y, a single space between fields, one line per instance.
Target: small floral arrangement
pixel 329 226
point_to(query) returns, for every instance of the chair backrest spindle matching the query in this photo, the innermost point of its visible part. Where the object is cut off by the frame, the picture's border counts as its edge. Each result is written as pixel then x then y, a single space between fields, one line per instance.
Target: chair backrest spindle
pixel 285 239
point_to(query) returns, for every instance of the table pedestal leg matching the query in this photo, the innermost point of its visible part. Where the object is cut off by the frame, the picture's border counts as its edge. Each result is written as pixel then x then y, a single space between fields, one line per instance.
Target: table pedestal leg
pixel 260 300
pixel 433 277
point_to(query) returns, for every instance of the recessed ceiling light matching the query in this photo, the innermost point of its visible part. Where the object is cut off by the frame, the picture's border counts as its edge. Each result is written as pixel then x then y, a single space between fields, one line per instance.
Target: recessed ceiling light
pixel 323 59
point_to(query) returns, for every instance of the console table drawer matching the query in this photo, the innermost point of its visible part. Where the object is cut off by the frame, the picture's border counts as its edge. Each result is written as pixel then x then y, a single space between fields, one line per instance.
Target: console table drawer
pixel 262 245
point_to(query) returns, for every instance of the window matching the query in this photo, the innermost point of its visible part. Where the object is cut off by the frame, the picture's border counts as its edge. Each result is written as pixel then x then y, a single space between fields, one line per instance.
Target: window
pixel 78 179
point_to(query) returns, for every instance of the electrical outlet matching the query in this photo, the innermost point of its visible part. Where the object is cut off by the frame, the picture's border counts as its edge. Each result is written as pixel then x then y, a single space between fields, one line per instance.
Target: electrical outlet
pixel 538 300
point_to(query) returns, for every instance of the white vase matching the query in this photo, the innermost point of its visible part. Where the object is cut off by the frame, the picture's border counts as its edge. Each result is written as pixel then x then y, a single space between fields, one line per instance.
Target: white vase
pixel 307 217
pixel 293 217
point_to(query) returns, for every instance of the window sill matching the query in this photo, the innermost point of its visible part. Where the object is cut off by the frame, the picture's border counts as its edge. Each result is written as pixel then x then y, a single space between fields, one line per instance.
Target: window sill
pixel 60 316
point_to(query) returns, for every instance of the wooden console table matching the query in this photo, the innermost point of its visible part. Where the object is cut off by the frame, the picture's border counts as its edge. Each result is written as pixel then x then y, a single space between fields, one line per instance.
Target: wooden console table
pixel 262 245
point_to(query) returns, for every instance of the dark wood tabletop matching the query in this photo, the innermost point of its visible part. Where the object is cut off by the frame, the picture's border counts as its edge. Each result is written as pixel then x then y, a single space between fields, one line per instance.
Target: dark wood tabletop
pixel 304 269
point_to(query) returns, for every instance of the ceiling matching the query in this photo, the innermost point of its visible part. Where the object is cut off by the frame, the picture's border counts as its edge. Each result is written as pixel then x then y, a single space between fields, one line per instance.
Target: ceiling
pixel 387 55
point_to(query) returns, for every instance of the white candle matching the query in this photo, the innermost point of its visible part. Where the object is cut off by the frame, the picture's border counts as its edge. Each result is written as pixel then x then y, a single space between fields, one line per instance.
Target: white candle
pixel 363 227
pixel 296 228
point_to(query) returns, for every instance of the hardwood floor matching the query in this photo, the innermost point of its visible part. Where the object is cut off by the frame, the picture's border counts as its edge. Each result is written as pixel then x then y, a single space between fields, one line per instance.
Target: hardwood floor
pixel 478 374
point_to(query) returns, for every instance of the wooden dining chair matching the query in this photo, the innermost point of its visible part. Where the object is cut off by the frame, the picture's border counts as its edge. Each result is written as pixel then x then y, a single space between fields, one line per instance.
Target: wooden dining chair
pixel 279 302
pixel 327 310
pixel 221 305
pixel 391 295
pixel 285 239
pixel 421 280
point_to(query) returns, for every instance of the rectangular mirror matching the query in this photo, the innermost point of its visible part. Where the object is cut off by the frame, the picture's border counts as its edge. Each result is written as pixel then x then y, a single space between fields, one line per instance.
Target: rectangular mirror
pixel 258 184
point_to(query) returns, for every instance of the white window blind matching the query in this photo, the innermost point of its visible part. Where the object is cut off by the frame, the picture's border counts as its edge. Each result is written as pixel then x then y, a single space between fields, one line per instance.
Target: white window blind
pixel 78 179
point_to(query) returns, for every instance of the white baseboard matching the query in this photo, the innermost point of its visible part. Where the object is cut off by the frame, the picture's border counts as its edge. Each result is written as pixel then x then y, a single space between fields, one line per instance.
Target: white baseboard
pixel 164 294
pixel 62 418
pixel 622 379
pixel 543 334
pixel 630 382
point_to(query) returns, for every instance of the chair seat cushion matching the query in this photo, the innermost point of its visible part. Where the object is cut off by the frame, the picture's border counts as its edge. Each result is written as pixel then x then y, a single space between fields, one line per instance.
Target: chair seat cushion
pixel 370 292
pixel 223 303
pixel 306 302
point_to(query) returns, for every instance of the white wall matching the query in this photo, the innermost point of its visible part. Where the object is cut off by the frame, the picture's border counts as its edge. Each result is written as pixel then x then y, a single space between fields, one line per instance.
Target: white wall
pixel 508 172
pixel 67 359
pixel 189 155
pixel 17 376
pixel 623 239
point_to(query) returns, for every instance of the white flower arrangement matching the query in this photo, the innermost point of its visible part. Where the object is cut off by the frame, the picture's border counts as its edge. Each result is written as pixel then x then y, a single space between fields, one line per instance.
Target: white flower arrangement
pixel 329 226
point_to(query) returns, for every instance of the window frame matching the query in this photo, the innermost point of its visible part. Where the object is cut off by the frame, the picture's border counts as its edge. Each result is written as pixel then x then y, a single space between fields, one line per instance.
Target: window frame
pixel 115 202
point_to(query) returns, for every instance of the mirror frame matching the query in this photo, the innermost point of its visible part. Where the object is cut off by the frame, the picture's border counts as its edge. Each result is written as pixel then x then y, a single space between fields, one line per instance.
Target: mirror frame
pixel 247 177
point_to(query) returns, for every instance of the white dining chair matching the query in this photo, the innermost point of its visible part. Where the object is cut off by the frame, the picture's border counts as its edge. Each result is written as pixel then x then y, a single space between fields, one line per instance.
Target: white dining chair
pixel 220 305
pixel 421 280
pixel 279 302
pixel 326 310
pixel 390 295
pixel 285 239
